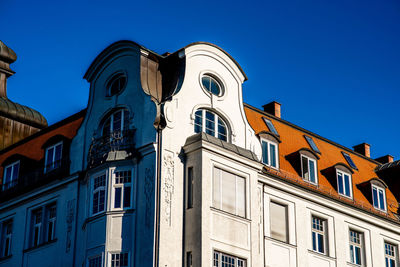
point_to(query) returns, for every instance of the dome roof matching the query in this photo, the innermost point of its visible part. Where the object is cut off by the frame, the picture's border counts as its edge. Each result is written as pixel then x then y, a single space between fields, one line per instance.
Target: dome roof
pixel 21 113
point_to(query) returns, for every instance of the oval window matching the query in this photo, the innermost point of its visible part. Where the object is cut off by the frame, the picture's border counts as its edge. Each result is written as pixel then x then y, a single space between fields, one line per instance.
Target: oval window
pixel 116 84
pixel 211 85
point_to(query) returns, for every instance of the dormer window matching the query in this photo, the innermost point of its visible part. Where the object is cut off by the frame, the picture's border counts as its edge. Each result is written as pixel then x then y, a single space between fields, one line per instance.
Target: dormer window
pixel 117 122
pixel 378 197
pixel 309 169
pixel 53 157
pixel 116 84
pixel 210 123
pixel 10 177
pixel 344 183
pixel 269 153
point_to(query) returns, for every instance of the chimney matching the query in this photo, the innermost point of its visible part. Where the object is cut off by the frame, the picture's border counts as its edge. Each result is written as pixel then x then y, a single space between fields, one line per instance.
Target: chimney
pixel 363 149
pixel 7 56
pixel 385 159
pixel 273 108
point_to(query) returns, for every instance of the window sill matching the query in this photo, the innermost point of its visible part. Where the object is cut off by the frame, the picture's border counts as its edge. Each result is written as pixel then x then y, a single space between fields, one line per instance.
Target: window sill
pixel 5 258
pixel 40 245
pixel 230 214
pixel 280 241
pixel 105 213
pixel 321 254
pixel 354 264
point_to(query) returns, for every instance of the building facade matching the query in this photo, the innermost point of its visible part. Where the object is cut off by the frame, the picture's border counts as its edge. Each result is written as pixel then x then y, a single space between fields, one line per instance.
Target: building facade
pixel 168 167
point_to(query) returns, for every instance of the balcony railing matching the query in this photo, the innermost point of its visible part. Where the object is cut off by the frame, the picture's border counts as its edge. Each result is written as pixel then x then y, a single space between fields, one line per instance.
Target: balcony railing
pixel 33 179
pixel 116 141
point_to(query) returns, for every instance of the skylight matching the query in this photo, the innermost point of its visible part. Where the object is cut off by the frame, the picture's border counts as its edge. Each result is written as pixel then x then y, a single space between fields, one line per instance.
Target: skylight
pixel 349 160
pixel 310 141
pixel 270 126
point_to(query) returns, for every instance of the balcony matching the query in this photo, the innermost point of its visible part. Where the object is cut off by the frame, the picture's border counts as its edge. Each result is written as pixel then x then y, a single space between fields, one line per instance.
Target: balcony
pixel 117 145
pixel 34 178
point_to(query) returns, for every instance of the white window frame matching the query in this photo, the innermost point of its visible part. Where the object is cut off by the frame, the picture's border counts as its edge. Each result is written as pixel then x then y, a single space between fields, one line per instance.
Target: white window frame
pixel 118 252
pixel 42 225
pixel 124 112
pixel 217 259
pixel 392 255
pixel 122 186
pixel 8 183
pixel 217 118
pixel 101 256
pixel 309 159
pixel 377 205
pixel 343 173
pixel 93 191
pixel 269 143
pixel 6 236
pixel 354 245
pixel 47 166
pixel 236 191
pixel 323 233
pixel 50 222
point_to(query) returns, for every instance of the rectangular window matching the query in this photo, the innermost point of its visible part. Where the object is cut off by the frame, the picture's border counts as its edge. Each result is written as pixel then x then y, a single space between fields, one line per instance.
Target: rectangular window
pixel 279 221
pixel 270 126
pixel 270 153
pixel 379 199
pixel 99 194
pixel 344 183
pixel 6 234
pixel 319 235
pixel 349 160
pixel 120 259
pixel 95 261
pixel 10 177
pixel 189 262
pixel 122 189
pixel 356 248
pixel 309 169
pixel 390 255
pixel 312 144
pixel 53 157
pixel 190 188
pixel 43 224
pixel 225 260
pixel 229 192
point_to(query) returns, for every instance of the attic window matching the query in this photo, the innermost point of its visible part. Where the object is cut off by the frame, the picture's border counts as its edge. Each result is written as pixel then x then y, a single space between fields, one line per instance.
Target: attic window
pixel 116 84
pixel 349 160
pixel 270 126
pixel 378 197
pixel 312 144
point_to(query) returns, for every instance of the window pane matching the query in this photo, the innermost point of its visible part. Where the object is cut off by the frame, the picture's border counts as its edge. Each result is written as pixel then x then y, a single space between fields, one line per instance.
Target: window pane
pixel 347 185
pixel 265 152
pixel 340 183
pixel 320 243
pixel 241 194
pixel 304 164
pixel 198 121
pixel 381 200
pixel 215 87
pixel 117 198
pixel 210 123
pixel 127 196
pixel 205 80
pixel 228 191
pixel 57 156
pixel 314 241
pixel 312 171
pixel 217 189
pixel 49 159
pixel 278 221
pixel 7 174
pixel 221 130
pixel 117 121
pixel 272 152
pixel 375 197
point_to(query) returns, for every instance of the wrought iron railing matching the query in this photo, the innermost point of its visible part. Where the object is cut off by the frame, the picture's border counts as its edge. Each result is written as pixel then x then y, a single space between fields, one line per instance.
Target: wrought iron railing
pixel 115 141
pixel 34 178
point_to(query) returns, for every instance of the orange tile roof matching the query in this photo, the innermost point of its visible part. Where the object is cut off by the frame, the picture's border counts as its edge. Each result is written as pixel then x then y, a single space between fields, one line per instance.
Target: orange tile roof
pixel 293 140
pixel 31 146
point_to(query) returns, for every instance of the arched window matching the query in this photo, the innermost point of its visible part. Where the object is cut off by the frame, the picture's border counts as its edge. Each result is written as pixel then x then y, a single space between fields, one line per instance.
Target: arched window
pixel 210 123
pixel 116 122
pixel 116 84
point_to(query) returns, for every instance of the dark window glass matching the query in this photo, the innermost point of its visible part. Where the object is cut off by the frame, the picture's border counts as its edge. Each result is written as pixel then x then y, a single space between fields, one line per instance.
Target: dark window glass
pixel 270 126
pixel 312 144
pixel 211 85
pixel 349 160
pixel 116 84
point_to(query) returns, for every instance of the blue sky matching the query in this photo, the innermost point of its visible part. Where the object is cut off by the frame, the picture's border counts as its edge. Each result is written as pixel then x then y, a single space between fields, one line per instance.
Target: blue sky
pixel 333 65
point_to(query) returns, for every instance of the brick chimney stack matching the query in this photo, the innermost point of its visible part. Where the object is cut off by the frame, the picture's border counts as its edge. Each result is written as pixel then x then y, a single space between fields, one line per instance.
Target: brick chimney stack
pixel 273 108
pixel 385 159
pixel 363 149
